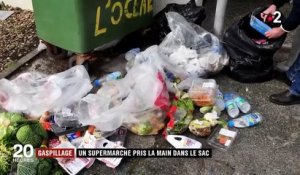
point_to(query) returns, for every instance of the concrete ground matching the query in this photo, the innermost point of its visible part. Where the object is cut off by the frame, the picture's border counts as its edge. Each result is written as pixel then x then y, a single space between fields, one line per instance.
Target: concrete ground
pixel 271 148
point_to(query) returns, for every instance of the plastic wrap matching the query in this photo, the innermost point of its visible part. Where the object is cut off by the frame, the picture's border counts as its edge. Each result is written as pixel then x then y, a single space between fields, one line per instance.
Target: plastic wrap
pixel 35 93
pixel 191 48
pixel 117 102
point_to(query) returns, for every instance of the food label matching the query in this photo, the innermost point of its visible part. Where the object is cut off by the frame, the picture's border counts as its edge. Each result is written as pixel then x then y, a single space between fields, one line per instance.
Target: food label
pixel 74 166
pixel 66 112
pixel 227 143
pixel 208 85
pixel 252 119
pixel 71 166
pixel 240 101
pixel 110 162
pixel 230 105
pixel 227 133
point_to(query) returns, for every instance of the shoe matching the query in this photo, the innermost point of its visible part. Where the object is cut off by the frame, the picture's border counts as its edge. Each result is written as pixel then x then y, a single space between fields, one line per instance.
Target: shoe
pixel 285 98
pixel 282 77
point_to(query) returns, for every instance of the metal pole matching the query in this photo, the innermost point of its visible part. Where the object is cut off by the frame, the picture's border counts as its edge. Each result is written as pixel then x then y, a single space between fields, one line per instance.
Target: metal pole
pixel 219 16
pixel 199 2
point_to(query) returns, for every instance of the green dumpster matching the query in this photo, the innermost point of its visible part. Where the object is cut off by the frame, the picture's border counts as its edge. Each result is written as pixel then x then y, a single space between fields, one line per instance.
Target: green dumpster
pixel 82 25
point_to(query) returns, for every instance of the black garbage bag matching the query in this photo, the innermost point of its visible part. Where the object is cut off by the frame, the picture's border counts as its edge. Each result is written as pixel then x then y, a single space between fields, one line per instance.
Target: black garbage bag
pixel 250 61
pixel 190 11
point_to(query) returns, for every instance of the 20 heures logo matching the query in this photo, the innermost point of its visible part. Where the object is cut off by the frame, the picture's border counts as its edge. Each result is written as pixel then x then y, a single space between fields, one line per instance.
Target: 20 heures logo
pixel 23 153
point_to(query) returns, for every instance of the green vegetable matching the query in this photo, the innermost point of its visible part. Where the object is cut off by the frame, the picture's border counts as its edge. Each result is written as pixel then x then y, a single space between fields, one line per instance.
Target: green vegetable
pixel 8 126
pixel 34 166
pixel 206 109
pixel 145 128
pixel 37 128
pixel 5 158
pixel 200 128
pixel 223 123
pixel 28 166
pixel 57 171
pixel 12 117
pixel 44 167
pixel 184 114
pixel 31 134
pixel 217 110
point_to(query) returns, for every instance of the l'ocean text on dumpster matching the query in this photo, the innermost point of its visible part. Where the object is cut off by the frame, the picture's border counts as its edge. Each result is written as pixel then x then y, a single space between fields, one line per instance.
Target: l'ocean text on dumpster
pixel 128 9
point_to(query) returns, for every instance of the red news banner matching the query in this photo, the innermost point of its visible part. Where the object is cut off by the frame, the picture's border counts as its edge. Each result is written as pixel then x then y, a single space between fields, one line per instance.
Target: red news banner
pixel 55 152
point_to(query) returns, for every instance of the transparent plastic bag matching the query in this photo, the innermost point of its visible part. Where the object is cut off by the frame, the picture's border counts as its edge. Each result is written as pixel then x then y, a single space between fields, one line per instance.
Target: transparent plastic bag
pixel 148 122
pixel 35 93
pixel 155 57
pixel 143 88
pixel 185 38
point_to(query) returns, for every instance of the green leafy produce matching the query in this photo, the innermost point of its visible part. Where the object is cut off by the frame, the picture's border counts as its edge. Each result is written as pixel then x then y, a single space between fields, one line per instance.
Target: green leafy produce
pixel 27 135
pixel 206 109
pixel 57 171
pixel 200 128
pixel 183 114
pixel 37 128
pixel 5 158
pixel 31 133
pixel 184 102
pixel 143 128
pixel 8 128
pixel 217 110
pixel 12 117
pixel 9 123
pixel 44 167
pixel 222 123
pixel 28 166
pixel 34 166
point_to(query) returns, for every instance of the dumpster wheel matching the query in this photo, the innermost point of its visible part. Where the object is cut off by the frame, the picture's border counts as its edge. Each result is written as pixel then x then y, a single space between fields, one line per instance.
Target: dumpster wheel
pixel 55 52
pixel 75 60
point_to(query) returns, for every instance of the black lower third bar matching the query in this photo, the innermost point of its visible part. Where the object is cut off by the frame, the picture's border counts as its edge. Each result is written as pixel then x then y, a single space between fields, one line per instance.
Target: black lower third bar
pixel 184 153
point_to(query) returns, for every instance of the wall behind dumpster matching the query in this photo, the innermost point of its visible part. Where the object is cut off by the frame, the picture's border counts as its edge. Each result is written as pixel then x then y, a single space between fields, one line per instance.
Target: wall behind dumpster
pixel 23 4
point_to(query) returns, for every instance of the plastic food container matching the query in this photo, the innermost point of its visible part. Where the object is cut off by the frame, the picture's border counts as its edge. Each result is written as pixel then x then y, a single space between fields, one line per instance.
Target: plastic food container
pixel 222 138
pixel 259 26
pixel 203 92
pixel 148 122
pixel 63 120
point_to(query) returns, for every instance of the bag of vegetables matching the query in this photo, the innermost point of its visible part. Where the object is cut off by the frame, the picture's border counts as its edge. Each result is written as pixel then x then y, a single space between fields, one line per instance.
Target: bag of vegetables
pixel 148 122
pixel 128 102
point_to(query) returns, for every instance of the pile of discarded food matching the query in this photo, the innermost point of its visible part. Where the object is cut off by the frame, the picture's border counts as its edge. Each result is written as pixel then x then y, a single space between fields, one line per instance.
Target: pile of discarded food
pixel 161 93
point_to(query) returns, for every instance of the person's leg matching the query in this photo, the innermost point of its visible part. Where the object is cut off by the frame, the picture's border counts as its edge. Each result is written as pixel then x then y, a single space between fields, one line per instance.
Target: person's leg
pixel 291 96
pixel 294 69
pixel 285 65
pixel 295 88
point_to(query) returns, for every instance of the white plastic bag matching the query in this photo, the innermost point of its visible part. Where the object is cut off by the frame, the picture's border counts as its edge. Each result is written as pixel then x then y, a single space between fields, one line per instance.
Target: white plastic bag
pixel 141 89
pixel 35 93
pixel 186 39
pixel 153 56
